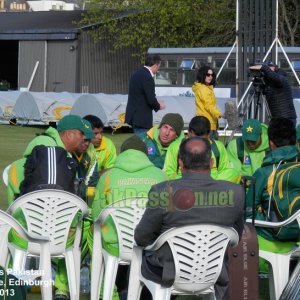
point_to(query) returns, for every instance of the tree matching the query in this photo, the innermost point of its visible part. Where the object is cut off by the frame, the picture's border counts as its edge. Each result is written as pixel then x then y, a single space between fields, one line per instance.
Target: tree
pixel 163 23
pixel 177 23
pixel 289 17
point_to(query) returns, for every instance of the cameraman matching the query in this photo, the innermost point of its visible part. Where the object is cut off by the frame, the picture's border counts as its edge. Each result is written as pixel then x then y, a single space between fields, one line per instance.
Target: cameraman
pixel 277 90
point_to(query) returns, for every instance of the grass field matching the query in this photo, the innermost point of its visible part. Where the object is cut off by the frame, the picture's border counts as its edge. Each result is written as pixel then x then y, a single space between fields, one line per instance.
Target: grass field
pixel 13 142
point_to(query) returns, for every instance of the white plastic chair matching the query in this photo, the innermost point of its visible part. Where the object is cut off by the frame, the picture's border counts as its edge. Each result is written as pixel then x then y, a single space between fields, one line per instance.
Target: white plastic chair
pixel 7 222
pixel 51 213
pixel 126 214
pixel 5 175
pixel 280 262
pixel 198 253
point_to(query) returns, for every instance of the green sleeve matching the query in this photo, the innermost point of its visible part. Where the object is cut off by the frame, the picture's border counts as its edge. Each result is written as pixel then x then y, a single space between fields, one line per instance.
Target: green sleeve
pixel 224 170
pixel 256 192
pixel 15 177
pixel 112 156
pixel 92 174
pixel 234 161
pixel 170 166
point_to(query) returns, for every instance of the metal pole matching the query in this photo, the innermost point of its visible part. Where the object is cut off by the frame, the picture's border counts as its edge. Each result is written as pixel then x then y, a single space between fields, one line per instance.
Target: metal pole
pixel 276 33
pixel 226 59
pixel 289 62
pixel 32 75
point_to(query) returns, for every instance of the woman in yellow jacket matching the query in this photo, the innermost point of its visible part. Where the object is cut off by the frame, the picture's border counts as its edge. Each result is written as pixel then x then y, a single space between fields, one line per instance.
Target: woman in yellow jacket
pixel 205 99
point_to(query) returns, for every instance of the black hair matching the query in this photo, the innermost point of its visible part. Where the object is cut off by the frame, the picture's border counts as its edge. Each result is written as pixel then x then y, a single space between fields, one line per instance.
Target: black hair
pixel 94 120
pixel 200 126
pixel 195 153
pixel 201 74
pixel 152 59
pixel 282 132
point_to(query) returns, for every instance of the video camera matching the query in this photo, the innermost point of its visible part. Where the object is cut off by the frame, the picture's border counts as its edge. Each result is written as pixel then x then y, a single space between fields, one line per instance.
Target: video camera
pixel 258 80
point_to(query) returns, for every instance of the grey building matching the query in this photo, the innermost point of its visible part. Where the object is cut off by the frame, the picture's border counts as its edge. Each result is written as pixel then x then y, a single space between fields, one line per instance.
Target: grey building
pixel 49 51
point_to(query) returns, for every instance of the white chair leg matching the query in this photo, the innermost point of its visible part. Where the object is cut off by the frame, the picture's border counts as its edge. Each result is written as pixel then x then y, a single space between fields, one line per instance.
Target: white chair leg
pixel 96 264
pixel 77 266
pixel 135 286
pixel 19 259
pixel 72 276
pixel 4 257
pixel 45 266
pixel 160 293
pixel 110 274
pixel 278 273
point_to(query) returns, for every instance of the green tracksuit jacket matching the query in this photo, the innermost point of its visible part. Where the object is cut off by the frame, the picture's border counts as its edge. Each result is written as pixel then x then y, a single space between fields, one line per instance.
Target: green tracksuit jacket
pixel 132 176
pixel 264 188
pixel 106 154
pixel 51 138
pixel 16 171
pixel 252 160
pixel 223 171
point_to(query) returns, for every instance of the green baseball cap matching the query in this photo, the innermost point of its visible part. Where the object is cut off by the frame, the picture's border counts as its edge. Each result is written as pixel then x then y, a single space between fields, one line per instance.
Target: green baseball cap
pixel 70 122
pixel 251 130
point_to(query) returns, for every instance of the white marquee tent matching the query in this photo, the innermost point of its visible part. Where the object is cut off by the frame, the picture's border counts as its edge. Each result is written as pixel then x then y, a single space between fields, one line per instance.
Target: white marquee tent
pixel 7 102
pixel 43 107
pixel 110 107
pixel 107 107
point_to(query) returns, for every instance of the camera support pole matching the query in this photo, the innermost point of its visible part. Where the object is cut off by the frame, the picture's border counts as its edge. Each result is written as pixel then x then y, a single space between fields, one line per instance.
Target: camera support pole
pixel 276 42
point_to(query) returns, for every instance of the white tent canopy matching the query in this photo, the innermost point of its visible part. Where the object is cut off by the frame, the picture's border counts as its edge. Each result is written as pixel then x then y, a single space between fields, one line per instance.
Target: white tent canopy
pixel 107 107
pixel 43 107
pixel 7 102
pixel 48 107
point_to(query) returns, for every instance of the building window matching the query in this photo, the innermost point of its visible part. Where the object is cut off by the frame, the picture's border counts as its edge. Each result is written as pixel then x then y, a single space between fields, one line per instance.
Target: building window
pixel 296 64
pixel 166 77
pixel 187 64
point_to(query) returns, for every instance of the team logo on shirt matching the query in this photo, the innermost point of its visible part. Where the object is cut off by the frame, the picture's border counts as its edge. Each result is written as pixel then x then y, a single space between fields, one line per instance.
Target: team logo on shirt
pixel 151 150
pixel 247 160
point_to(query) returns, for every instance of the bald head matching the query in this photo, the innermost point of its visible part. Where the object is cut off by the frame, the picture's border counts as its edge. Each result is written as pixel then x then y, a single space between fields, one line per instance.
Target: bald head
pixel 195 154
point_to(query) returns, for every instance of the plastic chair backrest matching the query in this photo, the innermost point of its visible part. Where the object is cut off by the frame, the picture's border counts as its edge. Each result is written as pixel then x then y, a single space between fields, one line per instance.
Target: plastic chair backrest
pixel 260 223
pixel 126 214
pixel 8 222
pixel 50 213
pixel 198 252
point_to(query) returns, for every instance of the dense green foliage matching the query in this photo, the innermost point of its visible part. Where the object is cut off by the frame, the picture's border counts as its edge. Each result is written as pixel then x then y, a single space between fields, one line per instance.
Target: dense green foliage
pixel 163 23
pixel 141 24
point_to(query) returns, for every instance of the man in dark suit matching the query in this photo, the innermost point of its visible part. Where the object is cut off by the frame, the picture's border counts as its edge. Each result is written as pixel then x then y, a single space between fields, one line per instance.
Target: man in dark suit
pixel 141 96
pixel 195 162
